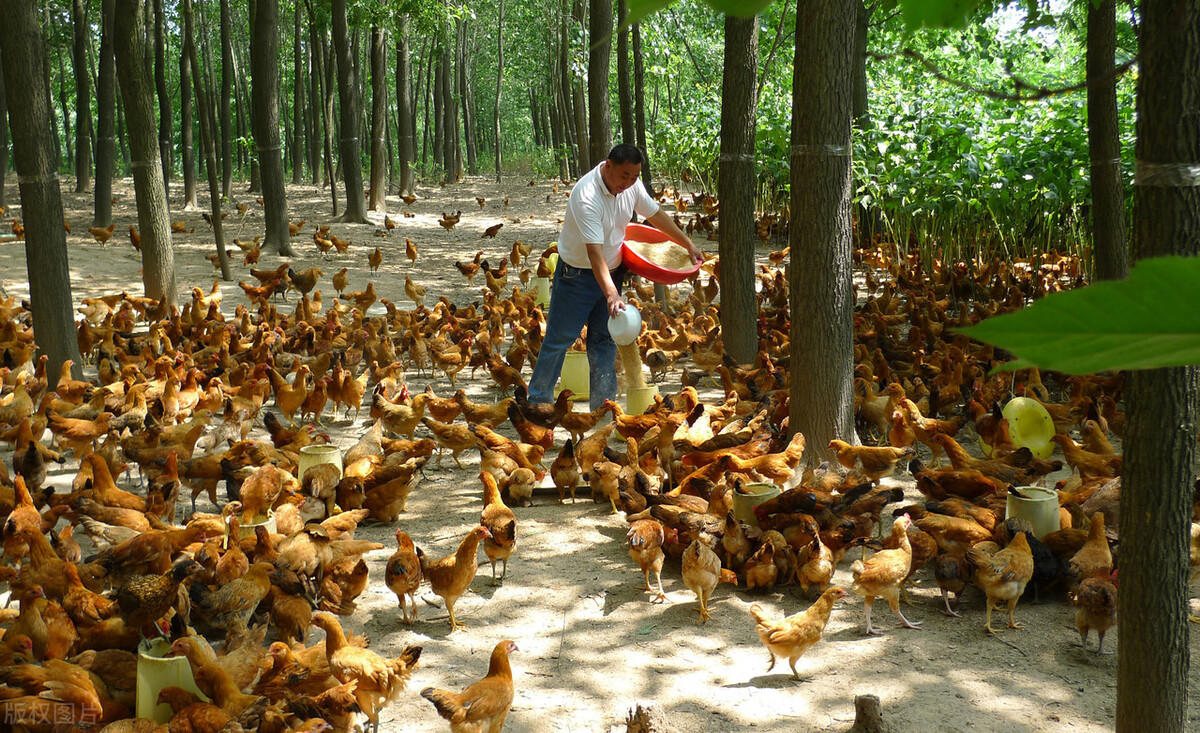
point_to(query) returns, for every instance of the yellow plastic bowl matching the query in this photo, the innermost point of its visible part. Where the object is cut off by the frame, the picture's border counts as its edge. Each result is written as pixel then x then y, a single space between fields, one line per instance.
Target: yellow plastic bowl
pixel 1030 425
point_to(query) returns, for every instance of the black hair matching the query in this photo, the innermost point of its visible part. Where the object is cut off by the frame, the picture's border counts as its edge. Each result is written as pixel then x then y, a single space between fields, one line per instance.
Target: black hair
pixel 625 153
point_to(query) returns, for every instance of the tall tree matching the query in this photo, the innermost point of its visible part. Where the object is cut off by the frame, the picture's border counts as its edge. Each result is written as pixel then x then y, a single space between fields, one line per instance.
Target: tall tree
pixel 41 198
pixel 1162 409
pixel 599 53
pixel 208 124
pixel 349 114
pixel 227 93
pixel 861 113
pixel 624 91
pixel 466 99
pixel 580 104
pixel 297 99
pixel 446 72
pixel 264 74
pixel 165 129
pixel 47 28
pixel 3 133
pixel 499 87
pixel 639 104
pixel 739 107
pixel 106 83
pixel 83 98
pixel 378 120
pixel 822 306
pixel 186 149
pixel 404 106
pixel 1104 144
pixel 158 259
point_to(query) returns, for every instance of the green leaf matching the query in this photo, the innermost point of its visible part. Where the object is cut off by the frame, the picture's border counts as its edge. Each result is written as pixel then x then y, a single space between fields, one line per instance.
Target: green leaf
pixel 639 10
pixel 1148 321
pixel 738 8
pixel 937 13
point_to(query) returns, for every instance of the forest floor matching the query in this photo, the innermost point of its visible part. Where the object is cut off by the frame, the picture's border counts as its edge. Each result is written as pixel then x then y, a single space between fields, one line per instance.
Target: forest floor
pixel 591 645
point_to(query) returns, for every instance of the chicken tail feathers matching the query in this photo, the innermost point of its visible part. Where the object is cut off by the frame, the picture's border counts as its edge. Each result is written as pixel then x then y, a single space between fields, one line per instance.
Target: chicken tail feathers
pixel 759 615
pixel 856 569
pixel 447 703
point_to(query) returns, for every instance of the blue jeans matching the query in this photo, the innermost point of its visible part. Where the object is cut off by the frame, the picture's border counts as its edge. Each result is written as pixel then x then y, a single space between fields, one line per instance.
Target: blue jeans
pixel 577 300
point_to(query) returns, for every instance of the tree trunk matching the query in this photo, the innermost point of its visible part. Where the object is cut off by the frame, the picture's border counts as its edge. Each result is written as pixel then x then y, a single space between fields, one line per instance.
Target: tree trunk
pixel 208 123
pixel 314 105
pixel 575 153
pixel 348 115
pixel 446 118
pixel 739 106
pixel 41 199
pixel 860 112
pixel 46 32
pixel 3 134
pixel 297 100
pixel 1161 404
pixel 83 98
pixel 579 92
pixel 639 102
pixel 499 87
pixel 599 54
pixel 66 112
pixel 158 259
pixel 185 131
pixel 404 108
pixel 558 128
pixel 822 347
pixel 264 75
pixel 1110 253
pixel 165 129
pixel 105 117
pixel 624 93
pixel 467 107
pixel 378 121
pixel 327 65
pixel 227 73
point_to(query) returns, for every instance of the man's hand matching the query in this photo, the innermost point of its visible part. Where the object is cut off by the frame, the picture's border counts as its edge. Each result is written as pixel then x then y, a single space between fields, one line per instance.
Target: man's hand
pixel 616 304
pixel 697 255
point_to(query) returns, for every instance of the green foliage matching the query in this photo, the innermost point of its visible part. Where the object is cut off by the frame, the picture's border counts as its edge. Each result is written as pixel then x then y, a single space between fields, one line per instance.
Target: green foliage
pixel 937 13
pixel 1148 321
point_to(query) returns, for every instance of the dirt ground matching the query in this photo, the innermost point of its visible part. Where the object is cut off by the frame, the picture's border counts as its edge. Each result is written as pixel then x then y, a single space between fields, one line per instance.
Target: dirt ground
pixel 591 645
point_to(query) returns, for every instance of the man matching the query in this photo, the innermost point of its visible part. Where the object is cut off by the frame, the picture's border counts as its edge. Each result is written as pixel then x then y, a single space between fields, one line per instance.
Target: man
pixel 589 277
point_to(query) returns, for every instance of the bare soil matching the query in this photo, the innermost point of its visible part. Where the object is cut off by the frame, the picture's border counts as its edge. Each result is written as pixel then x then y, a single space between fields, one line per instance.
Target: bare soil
pixel 591 645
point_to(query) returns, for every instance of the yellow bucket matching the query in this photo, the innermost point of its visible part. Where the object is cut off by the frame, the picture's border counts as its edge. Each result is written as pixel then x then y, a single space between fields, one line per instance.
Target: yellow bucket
pixel 541 291
pixel 639 398
pixel 574 375
pixel 750 496
pixel 1041 509
pixel 315 455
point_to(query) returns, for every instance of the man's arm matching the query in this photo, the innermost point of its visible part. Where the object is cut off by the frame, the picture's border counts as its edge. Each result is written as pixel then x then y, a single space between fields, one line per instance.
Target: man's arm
pixel 600 270
pixel 663 222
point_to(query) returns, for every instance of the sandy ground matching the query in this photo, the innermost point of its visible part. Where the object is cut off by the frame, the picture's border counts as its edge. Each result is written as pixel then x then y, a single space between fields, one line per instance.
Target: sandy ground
pixel 590 643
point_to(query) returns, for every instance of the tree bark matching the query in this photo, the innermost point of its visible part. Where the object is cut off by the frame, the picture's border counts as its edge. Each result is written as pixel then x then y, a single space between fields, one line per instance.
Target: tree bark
pixel 3 134
pixel 1110 252
pixel 467 107
pixel 208 125
pixel 860 112
pixel 822 345
pixel 158 259
pixel 599 56
pixel 83 98
pixel 624 92
pixel 297 100
pixel 404 107
pixel 227 73
pixel 41 198
pixel 1161 404
pixel 105 118
pixel 349 148
pixel 446 108
pixel 66 111
pixel 327 65
pixel 165 130
pixel 46 29
pixel 315 105
pixel 582 133
pixel 186 136
pixel 499 87
pixel 378 121
pixel 736 183
pixel 264 75
pixel 639 103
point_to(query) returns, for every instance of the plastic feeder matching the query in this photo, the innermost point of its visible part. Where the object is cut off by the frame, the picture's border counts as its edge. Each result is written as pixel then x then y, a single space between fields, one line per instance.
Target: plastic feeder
pixel 637 399
pixel 315 455
pixel 1041 509
pixel 749 496
pixel 1030 426
pixel 155 672
pixel 626 326
pixel 574 375
pixel 541 291
pixel 641 266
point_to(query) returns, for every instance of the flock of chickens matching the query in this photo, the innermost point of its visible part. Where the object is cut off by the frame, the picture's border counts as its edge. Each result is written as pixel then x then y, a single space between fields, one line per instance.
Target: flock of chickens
pixel 177 394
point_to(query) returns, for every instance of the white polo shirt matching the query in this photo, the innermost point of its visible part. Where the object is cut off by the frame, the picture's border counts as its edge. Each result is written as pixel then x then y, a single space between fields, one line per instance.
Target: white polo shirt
pixel 594 215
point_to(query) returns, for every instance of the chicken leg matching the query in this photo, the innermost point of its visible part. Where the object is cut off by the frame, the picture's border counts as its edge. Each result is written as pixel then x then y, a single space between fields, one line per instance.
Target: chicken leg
pixel 705 615
pixel 949 611
pixel 455 625
pixel 659 595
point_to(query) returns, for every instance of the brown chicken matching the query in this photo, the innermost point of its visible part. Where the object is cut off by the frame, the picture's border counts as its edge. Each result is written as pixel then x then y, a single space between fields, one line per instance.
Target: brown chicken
pixel 1094 559
pixel 305 280
pixel 403 574
pixel 792 636
pixel 1096 609
pixel 876 462
pixel 483 706
pixel 605 478
pixel 375 259
pixel 400 419
pixel 450 576
pixel 882 574
pixel 144 599
pixel 501 525
pixel 564 471
pixel 701 574
pixel 1003 576
pixel 646 538
pixel 452 437
pixel 379 680
pixel 1088 464
pixel 231 605
pixel 289 397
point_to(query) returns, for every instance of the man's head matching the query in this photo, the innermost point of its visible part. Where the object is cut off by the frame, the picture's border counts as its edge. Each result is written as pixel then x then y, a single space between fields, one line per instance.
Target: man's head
pixel 622 167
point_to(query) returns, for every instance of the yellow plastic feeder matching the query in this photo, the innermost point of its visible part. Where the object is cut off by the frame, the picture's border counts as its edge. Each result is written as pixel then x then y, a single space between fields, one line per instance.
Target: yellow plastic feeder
pixel 541 291
pixel 1040 508
pixel 315 455
pixel 1030 426
pixel 637 399
pixel 155 672
pixel 574 375
pixel 748 496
